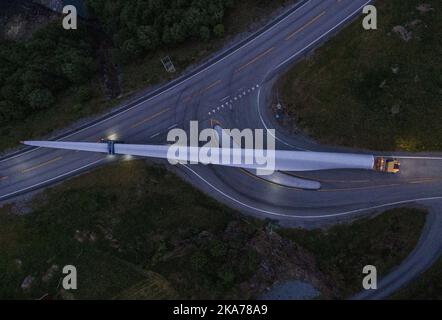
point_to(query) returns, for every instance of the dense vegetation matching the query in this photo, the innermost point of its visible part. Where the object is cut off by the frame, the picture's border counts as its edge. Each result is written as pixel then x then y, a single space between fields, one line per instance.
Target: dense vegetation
pixel 58 83
pixel 34 72
pixel 145 25
pixel 54 61
pixel 375 89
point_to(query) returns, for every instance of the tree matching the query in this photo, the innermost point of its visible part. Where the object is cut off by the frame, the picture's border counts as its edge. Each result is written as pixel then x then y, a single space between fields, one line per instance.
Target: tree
pixel 177 33
pixel 40 99
pixel 204 33
pixel 218 30
pixel 131 49
pixel 147 37
pixel 170 22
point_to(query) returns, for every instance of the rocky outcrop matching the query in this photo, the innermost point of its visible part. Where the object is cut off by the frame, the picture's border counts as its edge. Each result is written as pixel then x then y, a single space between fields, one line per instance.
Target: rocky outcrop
pixel 280 259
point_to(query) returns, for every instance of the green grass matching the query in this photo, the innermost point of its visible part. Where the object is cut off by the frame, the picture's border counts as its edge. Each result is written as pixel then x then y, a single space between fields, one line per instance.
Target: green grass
pixel 31 250
pixel 141 74
pixel 343 250
pixel 125 228
pixel 348 94
pixel 155 287
pixel 143 237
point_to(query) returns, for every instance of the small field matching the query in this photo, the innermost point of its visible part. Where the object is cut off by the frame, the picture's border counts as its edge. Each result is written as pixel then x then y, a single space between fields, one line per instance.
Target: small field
pixel 137 231
pixel 379 90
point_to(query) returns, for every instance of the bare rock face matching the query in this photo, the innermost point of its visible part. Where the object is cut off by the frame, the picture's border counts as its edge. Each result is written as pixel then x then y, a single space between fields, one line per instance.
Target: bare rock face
pixel 424 8
pixel 279 260
pixel 403 33
pixel 27 282
pixel 396 109
pixel 19 19
pixel 50 273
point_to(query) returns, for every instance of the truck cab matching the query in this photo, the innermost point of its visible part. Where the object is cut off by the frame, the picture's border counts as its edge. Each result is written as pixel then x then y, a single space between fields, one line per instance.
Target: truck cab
pixel 388 165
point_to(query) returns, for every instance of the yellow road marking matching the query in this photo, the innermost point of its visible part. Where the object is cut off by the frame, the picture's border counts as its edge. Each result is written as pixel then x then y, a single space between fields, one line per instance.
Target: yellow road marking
pixel 42 164
pixel 343 181
pixel 422 181
pixel 255 59
pixel 305 26
pixel 150 118
pixel 197 93
pixel 361 188
pixel 382 186
pixel 217 82
pixel 416 180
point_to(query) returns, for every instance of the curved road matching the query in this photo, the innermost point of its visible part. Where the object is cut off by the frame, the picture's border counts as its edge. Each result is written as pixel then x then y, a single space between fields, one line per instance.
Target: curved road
pixel 234 90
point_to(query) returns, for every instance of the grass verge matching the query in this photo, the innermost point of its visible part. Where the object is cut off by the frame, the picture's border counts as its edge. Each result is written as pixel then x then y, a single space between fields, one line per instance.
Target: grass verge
pixel 374 89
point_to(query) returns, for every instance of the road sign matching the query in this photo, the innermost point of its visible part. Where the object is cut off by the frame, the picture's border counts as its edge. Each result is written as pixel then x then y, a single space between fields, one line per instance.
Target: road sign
pixel 168 64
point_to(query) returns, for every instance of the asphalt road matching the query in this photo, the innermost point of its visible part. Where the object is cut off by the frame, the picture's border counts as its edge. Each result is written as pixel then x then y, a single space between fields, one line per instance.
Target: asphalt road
pixel 235 91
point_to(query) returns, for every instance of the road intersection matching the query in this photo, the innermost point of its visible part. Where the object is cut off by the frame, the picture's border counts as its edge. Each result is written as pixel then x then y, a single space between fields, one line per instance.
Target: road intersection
pixel 235 90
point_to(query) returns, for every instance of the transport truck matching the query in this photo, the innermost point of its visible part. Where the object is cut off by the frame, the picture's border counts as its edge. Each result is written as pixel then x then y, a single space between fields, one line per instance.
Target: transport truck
pixel 389 165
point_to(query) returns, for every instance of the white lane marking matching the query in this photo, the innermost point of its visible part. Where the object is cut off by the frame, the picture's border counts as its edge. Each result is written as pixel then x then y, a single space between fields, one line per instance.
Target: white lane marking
pixel 21 154
pixel 225 98
pixel 49 180
pixel 333 215
pixel 294 55
pixel 325 34
pixel 172 126
pixel 179 83
pixel 155 135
